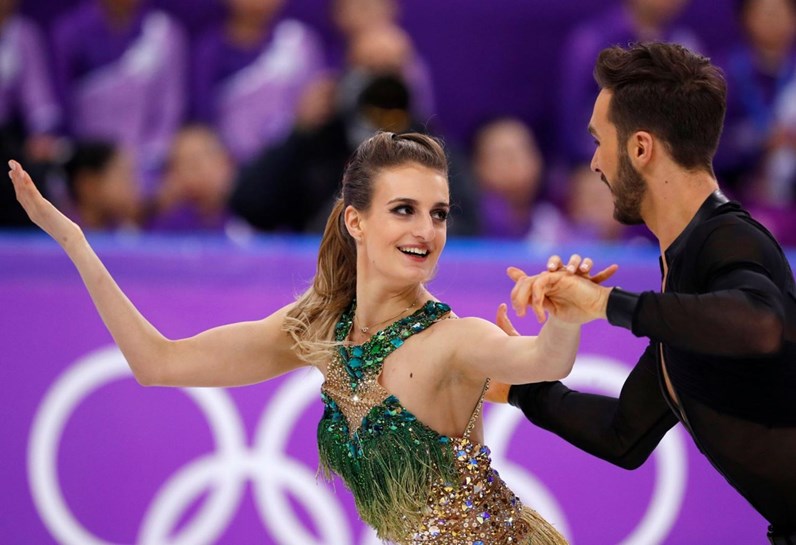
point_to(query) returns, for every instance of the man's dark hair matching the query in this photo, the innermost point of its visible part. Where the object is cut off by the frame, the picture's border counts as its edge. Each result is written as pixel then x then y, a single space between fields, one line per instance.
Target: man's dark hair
pixel 668 91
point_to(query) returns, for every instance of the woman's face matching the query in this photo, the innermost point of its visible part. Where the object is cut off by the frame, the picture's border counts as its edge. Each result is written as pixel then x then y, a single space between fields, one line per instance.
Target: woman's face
pixel 403 233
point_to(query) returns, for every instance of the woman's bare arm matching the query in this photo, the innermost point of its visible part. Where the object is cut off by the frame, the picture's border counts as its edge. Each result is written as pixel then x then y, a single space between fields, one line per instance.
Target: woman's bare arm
pixel 549 356
pixel 235 354
pixel 482 349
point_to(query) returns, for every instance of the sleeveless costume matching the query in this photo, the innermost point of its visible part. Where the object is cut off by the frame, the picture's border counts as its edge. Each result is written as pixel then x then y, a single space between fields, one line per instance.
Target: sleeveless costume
pixel 412 484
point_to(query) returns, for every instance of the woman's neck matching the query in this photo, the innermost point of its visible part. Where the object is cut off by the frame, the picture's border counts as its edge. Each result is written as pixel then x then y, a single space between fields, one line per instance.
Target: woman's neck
pixel 377 308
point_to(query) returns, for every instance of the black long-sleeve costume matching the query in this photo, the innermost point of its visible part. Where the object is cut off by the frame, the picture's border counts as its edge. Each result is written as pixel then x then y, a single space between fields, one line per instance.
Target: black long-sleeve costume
pixel 726 324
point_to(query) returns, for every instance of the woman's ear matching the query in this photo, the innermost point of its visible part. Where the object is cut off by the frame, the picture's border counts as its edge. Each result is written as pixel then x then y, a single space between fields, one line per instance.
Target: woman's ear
pixel 354 222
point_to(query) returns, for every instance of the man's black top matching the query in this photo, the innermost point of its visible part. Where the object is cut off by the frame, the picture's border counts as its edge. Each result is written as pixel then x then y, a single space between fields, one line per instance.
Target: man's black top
pixel 726 324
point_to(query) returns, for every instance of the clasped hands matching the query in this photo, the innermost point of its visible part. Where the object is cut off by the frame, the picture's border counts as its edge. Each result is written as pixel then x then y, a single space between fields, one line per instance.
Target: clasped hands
pixel 569 292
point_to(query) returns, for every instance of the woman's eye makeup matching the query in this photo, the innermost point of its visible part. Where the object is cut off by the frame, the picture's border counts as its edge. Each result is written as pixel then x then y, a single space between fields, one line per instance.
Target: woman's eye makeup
pixel 438 214
pixel 403 209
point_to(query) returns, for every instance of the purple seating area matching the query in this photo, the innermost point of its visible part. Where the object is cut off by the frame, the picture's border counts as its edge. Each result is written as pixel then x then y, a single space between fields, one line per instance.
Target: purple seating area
pixel 490 58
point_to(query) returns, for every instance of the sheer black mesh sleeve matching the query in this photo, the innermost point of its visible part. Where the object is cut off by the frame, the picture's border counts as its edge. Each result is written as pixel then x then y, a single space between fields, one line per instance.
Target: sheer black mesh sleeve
pixel 622 431
pixel 733 302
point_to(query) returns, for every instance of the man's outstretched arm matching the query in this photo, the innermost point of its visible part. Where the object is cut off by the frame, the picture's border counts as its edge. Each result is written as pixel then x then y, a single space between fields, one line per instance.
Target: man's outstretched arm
pixel 623 431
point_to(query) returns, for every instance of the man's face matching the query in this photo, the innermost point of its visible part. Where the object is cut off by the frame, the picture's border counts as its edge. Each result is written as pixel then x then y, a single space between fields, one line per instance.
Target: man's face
pixel 611 160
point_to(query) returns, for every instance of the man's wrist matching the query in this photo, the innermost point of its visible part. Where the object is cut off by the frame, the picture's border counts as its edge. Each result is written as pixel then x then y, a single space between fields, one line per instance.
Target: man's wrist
pixel 621 307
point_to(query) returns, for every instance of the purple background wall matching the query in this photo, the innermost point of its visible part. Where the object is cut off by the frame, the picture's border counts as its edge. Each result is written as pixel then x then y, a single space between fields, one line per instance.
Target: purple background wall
pixel 89 457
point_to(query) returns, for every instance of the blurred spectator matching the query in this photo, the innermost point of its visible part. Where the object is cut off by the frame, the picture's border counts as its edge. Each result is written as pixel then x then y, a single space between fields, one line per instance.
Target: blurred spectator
pixel 514 202
pixel 509 168
pixel 250 72
pixel 352 17
pixel 291 186
pixel 631 21
pixel 374 43
pixel 196 184
pixel 756 158
pixel 101 181
pixel 29 111
pixel 121 68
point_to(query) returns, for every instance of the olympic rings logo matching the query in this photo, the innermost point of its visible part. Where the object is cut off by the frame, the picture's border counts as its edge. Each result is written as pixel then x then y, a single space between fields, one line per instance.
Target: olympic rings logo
pixel 225 472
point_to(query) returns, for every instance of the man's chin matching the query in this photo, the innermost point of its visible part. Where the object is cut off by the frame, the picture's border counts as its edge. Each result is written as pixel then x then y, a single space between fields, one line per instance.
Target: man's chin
pixel 625 218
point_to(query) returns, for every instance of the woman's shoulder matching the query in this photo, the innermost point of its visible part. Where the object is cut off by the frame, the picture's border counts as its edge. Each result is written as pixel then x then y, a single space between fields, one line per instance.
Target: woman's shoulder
pixel 463 326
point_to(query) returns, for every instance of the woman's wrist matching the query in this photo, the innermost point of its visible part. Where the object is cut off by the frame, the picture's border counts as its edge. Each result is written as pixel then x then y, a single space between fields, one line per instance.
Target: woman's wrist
pixel 558 323
pixel 72 239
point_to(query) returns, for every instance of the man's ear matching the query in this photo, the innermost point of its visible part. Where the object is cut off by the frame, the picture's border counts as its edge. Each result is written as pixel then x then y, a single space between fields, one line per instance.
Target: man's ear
pixel 354 222
pixel 640 147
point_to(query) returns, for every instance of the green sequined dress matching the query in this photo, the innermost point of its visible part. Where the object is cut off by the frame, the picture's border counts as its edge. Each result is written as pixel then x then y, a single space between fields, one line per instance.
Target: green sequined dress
pixel 412 484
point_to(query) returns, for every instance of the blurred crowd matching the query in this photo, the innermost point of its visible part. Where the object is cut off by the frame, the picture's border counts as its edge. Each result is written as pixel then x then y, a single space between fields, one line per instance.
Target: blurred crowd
pixel 129 122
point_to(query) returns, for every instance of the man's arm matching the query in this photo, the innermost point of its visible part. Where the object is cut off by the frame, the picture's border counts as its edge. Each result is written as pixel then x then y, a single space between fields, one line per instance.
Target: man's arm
pixel 732 305
pixel 623 431
pixel 735 308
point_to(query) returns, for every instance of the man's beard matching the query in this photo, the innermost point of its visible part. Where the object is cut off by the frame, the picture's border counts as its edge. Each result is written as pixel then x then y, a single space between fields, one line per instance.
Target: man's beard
pixel 628 190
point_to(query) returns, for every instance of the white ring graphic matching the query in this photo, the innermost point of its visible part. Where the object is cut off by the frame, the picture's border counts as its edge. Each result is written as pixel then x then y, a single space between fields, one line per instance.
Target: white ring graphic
pixel 224 472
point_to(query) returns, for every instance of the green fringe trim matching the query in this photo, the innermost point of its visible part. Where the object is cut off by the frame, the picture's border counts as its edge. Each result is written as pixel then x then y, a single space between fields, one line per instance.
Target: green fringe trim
pixel 383 466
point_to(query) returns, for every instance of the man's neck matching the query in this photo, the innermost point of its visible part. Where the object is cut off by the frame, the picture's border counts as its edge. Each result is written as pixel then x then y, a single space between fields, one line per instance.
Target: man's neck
pixel 673 201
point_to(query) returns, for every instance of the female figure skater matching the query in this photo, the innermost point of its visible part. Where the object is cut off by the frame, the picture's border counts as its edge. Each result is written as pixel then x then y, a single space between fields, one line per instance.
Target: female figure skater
pixel 404 384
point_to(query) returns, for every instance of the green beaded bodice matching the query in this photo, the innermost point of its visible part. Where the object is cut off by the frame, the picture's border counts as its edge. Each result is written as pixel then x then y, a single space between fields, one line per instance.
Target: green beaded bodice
pixel 368 438
pixel 412 484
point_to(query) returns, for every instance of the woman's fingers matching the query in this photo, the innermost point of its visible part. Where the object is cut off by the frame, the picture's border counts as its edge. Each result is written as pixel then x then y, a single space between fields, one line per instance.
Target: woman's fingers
pixel 22 183
pixel 581 267
pixel 26 192
pixel 521 290
pixel 529 291
pixel 503 321
pixel 538 296
pixel 520 295
pixel 574 263
pixel 554 263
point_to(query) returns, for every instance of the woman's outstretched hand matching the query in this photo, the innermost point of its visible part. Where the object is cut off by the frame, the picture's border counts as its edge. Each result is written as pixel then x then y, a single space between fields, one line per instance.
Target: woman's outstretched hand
pixel 40 210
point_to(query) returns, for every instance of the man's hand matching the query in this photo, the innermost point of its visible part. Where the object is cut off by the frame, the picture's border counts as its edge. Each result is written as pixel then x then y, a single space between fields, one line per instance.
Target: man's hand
pixel 568 292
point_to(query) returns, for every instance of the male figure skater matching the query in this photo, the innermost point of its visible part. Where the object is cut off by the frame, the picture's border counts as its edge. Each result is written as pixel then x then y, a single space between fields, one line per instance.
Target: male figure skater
pixel 722 351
